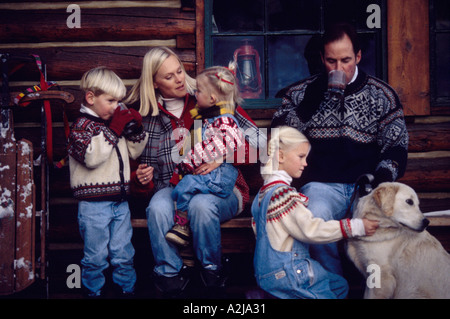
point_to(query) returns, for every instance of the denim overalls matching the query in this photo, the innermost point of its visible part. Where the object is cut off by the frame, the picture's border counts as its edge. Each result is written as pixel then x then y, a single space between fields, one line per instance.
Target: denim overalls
pixel 293 274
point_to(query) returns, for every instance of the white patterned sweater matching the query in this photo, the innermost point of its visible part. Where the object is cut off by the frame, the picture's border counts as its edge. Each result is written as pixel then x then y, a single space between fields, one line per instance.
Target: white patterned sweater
pixel 288 219
pixel 99 160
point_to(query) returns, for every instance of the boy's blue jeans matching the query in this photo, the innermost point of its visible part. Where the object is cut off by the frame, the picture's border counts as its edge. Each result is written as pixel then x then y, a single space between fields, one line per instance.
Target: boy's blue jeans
pixel 205 213
pixel 106 230
pixel 328 201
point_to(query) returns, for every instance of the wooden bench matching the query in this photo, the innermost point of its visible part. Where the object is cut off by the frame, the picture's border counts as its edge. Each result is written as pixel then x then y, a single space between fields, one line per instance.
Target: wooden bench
pixel 238 222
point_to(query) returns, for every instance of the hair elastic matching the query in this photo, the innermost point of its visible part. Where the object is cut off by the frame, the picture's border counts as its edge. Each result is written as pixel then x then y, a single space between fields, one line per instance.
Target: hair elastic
pixel 223 80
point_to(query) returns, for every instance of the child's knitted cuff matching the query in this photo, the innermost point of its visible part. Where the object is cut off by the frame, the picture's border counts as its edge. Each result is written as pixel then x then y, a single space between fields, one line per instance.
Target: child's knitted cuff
pixel 352 227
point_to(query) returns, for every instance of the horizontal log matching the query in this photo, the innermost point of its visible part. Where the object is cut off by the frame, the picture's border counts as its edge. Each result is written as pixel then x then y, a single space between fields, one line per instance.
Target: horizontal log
pixel 62 5
pixel 244 222
pixel 428 174
pixel 429 137
pixel 81 44
pixel 122 24
pixel 439 221
pixel 424 135
pixel 430 202
pixel 70 63
pixel 423 175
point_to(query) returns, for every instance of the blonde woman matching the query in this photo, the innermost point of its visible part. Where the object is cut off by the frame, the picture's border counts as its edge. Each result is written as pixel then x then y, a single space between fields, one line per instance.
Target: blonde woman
pixel 165 96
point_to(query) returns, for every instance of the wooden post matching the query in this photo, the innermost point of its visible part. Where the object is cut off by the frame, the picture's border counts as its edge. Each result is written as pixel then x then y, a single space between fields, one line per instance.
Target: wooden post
pixel 200 34
pixel 408 54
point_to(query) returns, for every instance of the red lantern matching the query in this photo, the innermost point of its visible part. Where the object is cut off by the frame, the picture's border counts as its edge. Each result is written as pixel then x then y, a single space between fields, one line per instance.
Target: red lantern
pixel 248 71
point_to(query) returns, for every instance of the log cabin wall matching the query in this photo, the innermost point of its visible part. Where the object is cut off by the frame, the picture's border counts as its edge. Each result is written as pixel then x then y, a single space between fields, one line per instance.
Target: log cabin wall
pixel 117 34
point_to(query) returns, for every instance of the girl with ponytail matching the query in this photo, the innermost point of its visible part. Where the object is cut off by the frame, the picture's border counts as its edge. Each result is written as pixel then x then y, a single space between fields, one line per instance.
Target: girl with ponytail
pixel 284 226
pixel 215 136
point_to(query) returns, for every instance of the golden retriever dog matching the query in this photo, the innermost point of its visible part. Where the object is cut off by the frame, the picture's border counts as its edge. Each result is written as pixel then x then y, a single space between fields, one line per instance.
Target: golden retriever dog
pixel 401 260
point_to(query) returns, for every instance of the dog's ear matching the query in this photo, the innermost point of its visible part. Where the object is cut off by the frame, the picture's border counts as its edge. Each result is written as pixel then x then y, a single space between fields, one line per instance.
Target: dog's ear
pixel 384 197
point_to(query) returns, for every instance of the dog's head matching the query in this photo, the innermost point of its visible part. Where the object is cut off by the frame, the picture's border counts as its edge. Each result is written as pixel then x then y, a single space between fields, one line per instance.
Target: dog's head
pixel 399 204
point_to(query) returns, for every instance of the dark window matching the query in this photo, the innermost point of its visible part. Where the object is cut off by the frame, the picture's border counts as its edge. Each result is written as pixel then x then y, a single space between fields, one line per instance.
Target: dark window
pixel 275 42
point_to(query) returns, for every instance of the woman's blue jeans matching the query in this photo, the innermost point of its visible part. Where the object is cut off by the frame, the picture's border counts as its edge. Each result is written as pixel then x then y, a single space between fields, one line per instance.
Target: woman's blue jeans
pixel 106 230
pixel 205 213
pixel 328 201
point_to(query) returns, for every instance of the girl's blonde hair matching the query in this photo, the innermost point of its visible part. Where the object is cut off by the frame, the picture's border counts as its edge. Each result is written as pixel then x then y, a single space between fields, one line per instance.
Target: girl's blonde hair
pixel 223 81
pixel 283 138
pixel 144 89
pixel 101 80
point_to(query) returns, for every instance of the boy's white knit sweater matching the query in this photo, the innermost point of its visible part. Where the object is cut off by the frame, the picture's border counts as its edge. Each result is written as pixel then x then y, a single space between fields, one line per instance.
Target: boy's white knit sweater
pixel 288 219
pixel 99 160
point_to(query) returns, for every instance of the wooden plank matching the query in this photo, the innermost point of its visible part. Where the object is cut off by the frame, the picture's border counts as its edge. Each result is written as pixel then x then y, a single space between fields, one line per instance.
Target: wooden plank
pixel 62 5
pixel 428 172
pixel 238 222
pixel 139 222
pixel 408 54
pixel 185 41
pixel 200 34
pixel 81 44
pixel 124 24
pixel 430 202
pixel 429 137
pixel 439 220
pixel 126 61
pixel 25 217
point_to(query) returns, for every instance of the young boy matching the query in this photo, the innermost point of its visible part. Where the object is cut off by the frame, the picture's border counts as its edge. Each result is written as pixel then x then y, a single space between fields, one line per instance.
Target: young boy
pixel 98 147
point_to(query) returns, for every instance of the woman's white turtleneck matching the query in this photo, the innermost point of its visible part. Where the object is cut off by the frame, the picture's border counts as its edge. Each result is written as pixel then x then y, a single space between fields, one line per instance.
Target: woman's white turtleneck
pixel 173 105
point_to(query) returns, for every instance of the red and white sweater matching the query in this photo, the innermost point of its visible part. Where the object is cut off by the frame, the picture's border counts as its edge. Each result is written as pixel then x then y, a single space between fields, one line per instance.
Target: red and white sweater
pixel 99 160
pixel 222 137
pixel 289 219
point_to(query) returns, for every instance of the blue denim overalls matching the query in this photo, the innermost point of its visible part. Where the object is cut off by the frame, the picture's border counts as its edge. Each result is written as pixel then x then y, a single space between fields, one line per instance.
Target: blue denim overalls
pixel 293 274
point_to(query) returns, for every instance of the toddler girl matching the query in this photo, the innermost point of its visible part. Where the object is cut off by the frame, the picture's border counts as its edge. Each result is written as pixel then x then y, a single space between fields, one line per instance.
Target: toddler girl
pixel 215 135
